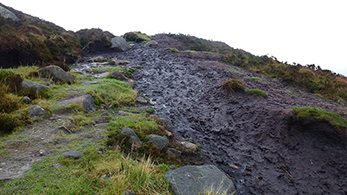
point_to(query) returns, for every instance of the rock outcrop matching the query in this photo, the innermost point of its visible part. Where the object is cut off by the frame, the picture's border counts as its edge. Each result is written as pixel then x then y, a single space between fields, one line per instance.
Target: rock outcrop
pixel 158 141
pixel 56 73
pixel 194 180
pixel 8 14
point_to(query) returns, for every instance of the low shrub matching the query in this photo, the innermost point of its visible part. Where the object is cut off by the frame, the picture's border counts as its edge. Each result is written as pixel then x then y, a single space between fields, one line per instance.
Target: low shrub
pixel 256 92
pixel 234 85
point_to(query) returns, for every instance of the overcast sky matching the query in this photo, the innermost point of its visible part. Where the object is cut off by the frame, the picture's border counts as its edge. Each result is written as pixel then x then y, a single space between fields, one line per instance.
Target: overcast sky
pixel 300 31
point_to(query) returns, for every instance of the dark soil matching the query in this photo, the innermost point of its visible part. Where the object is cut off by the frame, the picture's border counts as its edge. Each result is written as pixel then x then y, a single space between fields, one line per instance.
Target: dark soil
pixel 252 139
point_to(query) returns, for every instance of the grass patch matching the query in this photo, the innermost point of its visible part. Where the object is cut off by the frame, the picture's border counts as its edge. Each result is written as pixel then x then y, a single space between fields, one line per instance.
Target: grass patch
pixel 172 49
pixel 108 173
pixel 191 51
pixel 315 114
pixel 140 123
pixel 234 85
pixel 256 92
pixel 255 78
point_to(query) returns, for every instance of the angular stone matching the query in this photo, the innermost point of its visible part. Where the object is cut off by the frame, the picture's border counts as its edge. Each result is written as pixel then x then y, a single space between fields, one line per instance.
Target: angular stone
pixel 56 73
pixel 159 141
pixel 120 44
pixel 73 154
pixel 87 101
pixel 194 180
pixel 134 139
pixel 36 111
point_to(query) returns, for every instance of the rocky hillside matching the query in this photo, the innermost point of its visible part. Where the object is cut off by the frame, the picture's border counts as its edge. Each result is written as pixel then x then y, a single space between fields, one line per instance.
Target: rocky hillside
pixel 28 40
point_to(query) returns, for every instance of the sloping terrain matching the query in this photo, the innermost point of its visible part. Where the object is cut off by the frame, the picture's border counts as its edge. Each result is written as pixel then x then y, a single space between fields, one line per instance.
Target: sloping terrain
pixel 253 139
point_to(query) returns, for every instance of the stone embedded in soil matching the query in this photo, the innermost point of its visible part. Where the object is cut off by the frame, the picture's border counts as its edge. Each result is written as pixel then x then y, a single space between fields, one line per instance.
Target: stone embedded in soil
pixel 57 166
pixel 134 139
pixel 194 180
pixel 87 101
pixel 73 154
pixel 158 141
pixel 119 76
pixel 36 111
pixel 152 43
pixel 128 192
pixel 26 100
pixel 89 82
pixel 141 100
pixel 56 73
pixel 189 146
pixel 172 153
pixel 32 88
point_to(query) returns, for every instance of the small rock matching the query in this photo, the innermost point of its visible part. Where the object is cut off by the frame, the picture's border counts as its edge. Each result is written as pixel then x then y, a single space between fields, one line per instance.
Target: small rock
pixel 168 133
pixel 56 73
pixel 97 59
pixel 36 111
pixel 152 43
pixel 57 166
pixel 122 113
pixel 26 100
pixel 173 153
pixel 189 146
pixel 172 167
pixel 87 101
pixel 131 83
pixel 119 76
pixel 128 192
pixel 73 154
pixel 43 152
pixel 141 100
pixel 89 82
pixel 159 141
pixel 134 139
pixel 120 62
pixel 17 141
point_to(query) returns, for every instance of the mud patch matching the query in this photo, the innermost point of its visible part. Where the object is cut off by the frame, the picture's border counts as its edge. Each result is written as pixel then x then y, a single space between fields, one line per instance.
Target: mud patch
pixel 251 138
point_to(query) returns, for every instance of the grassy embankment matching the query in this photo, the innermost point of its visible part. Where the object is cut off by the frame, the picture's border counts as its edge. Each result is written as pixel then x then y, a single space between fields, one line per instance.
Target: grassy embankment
pixel 109 172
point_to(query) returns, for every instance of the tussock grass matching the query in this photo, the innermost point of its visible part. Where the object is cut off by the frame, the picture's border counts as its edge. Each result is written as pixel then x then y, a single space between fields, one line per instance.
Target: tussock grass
pixel 233 85
pixel 315 114
pixel 108 173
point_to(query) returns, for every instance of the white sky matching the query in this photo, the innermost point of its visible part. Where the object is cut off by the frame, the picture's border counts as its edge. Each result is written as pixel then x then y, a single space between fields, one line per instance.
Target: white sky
pixel 301 31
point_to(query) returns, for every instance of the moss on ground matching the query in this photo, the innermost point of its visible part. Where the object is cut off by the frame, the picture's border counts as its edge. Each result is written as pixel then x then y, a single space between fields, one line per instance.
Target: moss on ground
pixel 234 85
pixel 256 92
pixel 315 114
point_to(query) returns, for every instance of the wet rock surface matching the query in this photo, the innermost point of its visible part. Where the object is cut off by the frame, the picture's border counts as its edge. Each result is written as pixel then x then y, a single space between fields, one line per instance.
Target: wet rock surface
pixel 253 140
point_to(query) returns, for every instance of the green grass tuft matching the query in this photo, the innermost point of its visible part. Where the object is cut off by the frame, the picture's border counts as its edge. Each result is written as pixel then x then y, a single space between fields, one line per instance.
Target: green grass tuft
pixel 256 92
pixel 173 49
pixel 315 114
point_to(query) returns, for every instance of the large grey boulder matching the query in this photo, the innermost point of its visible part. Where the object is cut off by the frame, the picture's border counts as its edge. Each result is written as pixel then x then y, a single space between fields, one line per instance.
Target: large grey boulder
pixel 33 89
pixel 158 141
pixel 87 101
pixel 120 44
pixel 134 139
pixel 194 180
pixel 56 73
pixel 36 111
pixel 8 14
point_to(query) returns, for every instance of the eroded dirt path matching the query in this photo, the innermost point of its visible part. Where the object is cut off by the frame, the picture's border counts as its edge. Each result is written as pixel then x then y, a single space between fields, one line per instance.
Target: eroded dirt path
pixel 252 139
